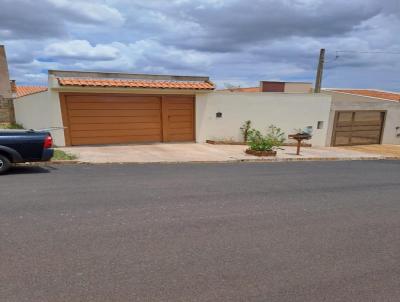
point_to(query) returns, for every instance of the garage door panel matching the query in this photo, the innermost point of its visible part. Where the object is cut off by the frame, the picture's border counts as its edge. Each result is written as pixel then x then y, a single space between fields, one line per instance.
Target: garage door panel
pixel 181 106
pixel 181 131
pixel 108 133
pixel 115 140
pixel 115 112
pixel 182 118
pixel 367 116
pixel 111 106
pixel 181 137
pixel 114 120
pixel 125 126
pixel 181 125
pixel 178 112
pixel 110 99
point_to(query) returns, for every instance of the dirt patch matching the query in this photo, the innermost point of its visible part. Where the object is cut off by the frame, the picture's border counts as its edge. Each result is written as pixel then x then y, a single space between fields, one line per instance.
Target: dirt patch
pixel 387 150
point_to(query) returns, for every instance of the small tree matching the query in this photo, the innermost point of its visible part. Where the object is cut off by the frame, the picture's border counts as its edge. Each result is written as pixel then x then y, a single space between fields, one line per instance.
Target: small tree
pixel 245 130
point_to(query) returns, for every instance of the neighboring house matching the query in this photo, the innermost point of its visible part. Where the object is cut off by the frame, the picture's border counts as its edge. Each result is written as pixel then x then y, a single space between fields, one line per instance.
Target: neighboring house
pixel 31 107
pixel 113 108
pixel 363 116
pixel 274 86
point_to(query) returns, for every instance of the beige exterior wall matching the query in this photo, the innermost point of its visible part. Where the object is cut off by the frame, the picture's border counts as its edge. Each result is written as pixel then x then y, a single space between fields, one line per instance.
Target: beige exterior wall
pixel 39 111
pixel 298 87
pixel 351 102
pixel 287 111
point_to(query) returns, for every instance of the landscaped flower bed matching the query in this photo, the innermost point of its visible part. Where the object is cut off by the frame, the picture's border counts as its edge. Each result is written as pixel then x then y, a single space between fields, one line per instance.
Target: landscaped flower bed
pixel 261 153
pixel 265 144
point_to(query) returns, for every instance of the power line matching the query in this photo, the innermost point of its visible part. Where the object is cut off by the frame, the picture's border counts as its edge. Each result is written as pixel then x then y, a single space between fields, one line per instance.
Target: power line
pixel 371 52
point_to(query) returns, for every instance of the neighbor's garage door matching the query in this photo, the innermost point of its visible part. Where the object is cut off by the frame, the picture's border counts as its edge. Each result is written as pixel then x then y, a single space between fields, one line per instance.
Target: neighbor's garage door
pixel 358 128
pixel 113 119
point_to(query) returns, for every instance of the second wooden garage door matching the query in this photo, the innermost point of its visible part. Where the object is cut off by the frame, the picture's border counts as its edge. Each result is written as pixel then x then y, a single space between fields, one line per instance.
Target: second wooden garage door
pixel 358 128
pixel 110 119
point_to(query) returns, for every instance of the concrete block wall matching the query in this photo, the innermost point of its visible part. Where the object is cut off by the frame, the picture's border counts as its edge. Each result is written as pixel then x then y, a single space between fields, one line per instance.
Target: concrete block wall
pixel 6 110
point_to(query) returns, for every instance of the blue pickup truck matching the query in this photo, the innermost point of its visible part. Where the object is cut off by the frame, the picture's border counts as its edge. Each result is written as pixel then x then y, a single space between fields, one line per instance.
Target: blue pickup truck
pixel 20 146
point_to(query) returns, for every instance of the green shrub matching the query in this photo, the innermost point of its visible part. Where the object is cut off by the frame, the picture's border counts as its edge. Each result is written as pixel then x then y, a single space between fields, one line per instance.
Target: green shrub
pixel 273 139
pixel 245 130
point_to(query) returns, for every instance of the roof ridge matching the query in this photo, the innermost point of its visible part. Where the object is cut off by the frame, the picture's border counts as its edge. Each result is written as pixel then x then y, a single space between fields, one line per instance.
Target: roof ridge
pixel 130 80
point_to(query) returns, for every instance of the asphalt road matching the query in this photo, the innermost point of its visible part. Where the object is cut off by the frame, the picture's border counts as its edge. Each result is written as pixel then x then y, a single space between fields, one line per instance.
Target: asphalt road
pixel 312 231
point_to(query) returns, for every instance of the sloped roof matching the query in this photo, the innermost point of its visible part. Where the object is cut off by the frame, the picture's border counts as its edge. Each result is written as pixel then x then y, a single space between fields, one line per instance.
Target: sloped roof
pixel 27 90
pixel 134 83
pixel 371 93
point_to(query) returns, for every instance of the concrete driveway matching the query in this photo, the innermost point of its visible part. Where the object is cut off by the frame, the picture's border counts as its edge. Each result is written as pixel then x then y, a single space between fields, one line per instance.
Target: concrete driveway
pixel 386 150
pixel 192 152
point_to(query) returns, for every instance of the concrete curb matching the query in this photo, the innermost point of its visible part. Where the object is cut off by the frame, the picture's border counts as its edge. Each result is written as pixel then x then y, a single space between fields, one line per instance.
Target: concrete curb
pixel 261 160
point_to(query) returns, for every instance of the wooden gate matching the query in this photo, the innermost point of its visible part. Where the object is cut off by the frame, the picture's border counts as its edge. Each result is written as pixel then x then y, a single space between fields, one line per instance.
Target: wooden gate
pixel 358 128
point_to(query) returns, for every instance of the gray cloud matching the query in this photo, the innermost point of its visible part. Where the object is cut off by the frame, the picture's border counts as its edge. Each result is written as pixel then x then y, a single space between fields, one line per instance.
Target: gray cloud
pixel 27 19
pixel 234 41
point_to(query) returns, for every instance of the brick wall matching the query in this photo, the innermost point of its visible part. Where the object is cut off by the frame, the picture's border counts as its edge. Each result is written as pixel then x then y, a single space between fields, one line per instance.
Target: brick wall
pixel 6 93
pixel 6 110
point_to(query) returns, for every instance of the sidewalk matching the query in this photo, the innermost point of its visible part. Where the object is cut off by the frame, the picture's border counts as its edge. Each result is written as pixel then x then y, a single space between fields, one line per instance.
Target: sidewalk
pixel 192 152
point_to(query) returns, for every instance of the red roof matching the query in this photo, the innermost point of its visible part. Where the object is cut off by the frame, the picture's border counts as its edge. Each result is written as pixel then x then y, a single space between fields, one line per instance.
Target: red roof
pixel 126 83
pixel 27 90
pixel 372 93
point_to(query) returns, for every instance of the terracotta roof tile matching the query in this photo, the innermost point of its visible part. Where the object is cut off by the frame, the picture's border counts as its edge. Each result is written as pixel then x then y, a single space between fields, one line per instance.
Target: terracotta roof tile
pixel 85 82
pixel 372 93
pixel 27 90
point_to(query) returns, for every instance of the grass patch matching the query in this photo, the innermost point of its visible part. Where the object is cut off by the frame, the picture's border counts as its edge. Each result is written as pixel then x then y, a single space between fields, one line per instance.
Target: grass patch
pixel 61 155
pixel 11 126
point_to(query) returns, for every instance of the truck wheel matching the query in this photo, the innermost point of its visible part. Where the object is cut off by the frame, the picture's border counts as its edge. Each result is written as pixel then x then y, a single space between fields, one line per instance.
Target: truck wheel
pixel 4 164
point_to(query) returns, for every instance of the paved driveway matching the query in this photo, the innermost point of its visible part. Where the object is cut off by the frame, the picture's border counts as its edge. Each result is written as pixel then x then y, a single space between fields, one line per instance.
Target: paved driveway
pixel 315 231
pixel 190 152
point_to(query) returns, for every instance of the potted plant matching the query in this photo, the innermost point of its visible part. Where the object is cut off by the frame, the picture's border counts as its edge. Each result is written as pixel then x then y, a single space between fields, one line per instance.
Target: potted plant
pixel 265 145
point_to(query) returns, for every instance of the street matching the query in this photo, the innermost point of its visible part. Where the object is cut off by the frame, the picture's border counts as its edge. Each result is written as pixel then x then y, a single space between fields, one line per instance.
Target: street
pixel 301 231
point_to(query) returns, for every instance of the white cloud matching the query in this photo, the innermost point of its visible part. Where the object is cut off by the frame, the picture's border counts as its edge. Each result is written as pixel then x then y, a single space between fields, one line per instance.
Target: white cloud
pixel 90 10
pixel 82 50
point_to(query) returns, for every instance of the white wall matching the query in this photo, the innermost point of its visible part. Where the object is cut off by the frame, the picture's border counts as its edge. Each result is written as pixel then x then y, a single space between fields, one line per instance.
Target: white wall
pixel 351 102
pixel 287 111
pixel 39 111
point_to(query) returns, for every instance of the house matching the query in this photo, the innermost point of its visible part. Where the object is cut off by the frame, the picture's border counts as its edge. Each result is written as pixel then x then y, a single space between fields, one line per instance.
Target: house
pixel 357 116
pixel 118 108
pixel 363 116
pixel 276 86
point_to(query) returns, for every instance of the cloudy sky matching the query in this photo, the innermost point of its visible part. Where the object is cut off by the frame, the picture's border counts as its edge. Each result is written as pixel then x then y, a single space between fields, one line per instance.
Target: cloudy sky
pixel 236 42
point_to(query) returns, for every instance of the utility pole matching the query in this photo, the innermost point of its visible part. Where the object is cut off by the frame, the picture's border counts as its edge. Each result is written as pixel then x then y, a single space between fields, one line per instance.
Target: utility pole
pixel 318 80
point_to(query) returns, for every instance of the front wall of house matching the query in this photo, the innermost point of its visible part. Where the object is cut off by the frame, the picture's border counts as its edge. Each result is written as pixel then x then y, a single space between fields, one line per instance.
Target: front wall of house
pixel 287 111
pixel 348 102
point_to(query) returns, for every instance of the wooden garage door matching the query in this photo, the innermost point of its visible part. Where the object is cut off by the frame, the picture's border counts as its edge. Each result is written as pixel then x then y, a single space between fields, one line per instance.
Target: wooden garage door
pixel 114 119
pixel 358 128
pixel 178 118
pixel 102 119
